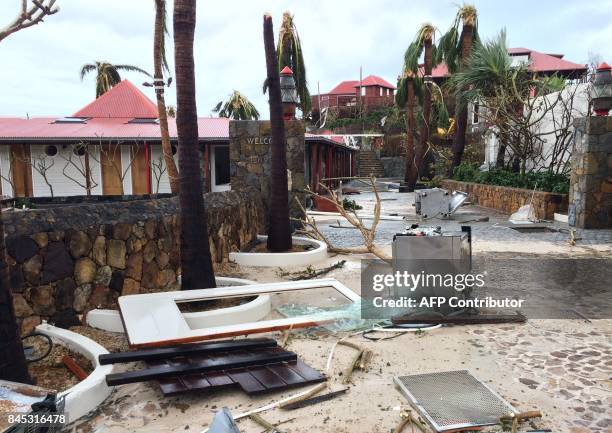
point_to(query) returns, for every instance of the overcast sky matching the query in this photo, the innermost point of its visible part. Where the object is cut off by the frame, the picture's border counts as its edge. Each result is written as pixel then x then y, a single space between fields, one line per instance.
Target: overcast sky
pixel 40 65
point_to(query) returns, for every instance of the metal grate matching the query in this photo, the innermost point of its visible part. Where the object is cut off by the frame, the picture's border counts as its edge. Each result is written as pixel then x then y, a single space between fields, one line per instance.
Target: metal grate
pixel 453 399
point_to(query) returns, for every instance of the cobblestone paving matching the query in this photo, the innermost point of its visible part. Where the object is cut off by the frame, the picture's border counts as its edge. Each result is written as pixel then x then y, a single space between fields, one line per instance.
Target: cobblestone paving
pixel 576 372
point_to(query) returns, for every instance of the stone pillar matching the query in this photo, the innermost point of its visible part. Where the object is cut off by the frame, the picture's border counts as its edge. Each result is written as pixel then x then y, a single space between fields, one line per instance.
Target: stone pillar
pixel 591 178
pixel 250 159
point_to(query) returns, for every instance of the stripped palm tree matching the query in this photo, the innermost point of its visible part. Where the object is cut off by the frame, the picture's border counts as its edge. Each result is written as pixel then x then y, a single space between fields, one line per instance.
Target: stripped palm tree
pixel 422 44
pixel 107 74
pixel 279 232
pixel 161 65
pixel 196 262
pixel 290 54
pixel 455 50
pixel 408 87
pixel 237 107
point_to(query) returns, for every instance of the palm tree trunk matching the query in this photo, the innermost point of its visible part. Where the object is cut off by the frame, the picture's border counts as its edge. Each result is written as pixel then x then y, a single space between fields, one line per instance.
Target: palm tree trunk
pixel 160 16
pixel 422 144
pixel 196 264
pixel 13 365
pixel 410 167
pixel 279 231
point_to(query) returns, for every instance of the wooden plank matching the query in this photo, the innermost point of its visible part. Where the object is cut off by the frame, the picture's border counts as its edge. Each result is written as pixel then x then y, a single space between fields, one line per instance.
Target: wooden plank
pixel 268 378
pixel 21 162
pixel 211 365
pixel 187 350
pixel 140 171
pixel 306 371
pixel 289 376
pixel 194 381
pixel 172 386
pixel 247 381
pixel 218 379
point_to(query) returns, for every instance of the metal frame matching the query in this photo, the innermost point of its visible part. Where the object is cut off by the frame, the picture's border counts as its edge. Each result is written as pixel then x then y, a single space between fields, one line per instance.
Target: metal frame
pixel 154 319
pixel 453 427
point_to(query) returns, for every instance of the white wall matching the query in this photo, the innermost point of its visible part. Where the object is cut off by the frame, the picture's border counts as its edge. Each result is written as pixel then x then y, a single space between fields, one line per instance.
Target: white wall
pixel 60 164
pixel 547 126
pixel 158 164
pixel 5 170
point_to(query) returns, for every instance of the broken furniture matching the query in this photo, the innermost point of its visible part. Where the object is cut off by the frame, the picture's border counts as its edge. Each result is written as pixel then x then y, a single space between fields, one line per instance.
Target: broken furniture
pixel 453 400
pixel 432 251
pixel 255 365
pixel 154 319
pixel 437 202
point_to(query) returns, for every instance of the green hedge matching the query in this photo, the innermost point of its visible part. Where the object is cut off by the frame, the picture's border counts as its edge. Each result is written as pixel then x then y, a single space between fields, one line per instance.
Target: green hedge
pixel 542 180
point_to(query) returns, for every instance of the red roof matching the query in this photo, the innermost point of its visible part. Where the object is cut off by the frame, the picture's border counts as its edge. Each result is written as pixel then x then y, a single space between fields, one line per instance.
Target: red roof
pixel 538 62
pixel 344 88
pixel 373 80
pixel 122 101
pixel 45 128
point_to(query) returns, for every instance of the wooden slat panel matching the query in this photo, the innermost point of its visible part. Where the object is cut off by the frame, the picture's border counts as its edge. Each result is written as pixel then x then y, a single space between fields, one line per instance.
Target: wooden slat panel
pixel 218 379
pixel 211 365
pixel 171 386
pixel 289 376
pixel 188 350
pixel 304 370
pixel 247 382
pixel 141 171
pixel 267 378
pixel 20 161
pixel 194 381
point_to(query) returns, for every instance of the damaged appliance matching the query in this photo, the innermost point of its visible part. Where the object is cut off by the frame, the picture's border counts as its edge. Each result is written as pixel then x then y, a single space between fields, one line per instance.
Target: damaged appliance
pixel 441 257
pixel 437 202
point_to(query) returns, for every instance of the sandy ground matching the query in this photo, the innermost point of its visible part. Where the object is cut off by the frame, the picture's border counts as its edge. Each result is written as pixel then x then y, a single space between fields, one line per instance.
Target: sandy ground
pixel 561 367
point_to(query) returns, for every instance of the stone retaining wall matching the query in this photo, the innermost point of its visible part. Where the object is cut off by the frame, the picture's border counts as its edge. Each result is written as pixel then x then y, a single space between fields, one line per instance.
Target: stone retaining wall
pixel 509 200
pixel 67 260
pixel 395 166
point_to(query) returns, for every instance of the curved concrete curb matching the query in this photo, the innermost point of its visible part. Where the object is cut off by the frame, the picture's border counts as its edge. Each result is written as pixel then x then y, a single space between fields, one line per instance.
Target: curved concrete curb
pixel 88 394
pixel 257 309
pixel 302 258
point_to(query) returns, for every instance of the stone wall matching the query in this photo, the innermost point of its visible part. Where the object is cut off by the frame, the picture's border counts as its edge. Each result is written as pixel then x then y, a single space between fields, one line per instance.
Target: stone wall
pixel 591 181
pixel 67 260
pixel 395 166
pixel 509 200
pixel 250 158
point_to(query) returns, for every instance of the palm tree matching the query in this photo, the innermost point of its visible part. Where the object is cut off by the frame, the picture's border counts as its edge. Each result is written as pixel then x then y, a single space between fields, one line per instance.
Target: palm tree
pixel 290 54
pixel 279 233
pixel 161 64
pixel 455 51
pixel 196 262
pixel 237 107
pixel 409 85
pixel 422 43
pixel 107 74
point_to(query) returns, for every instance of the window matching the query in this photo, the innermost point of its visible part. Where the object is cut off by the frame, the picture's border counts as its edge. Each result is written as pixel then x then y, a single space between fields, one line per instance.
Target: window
pixel 475 118
pixel 51 150
pixel 144 120
pixel 363 90
pixel 72 120
pixel 381 91
pixel 222 165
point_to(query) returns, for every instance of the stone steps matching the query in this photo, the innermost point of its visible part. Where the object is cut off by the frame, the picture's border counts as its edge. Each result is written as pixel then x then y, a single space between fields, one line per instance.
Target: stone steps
pixel 370 164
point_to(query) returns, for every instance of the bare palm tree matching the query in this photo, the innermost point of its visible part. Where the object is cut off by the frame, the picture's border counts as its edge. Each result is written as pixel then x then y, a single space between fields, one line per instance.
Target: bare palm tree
pixel 237 107
pixel 161 64
pixel 279 232
pixel 196 263
pixel 408 87
pixel 455 50
pixel 107 74
pixel 422 43
pixel 290 54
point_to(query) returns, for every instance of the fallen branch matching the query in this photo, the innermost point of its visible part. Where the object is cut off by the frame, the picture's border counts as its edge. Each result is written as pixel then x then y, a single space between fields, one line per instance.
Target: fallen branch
pixel 310 272
pixel 360 360
pixel 313 391
pixel 368 234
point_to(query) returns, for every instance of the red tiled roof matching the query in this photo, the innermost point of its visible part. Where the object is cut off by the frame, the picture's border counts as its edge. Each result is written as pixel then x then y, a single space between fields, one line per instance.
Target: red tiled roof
pixel 44 128
pixel 124 100
pixel 373 80
pixel 538 62
pixel 344 88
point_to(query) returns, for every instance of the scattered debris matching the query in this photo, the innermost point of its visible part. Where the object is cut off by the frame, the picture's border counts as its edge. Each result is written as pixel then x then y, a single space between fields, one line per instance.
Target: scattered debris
pixel 310 272
pixel 475 220
pixel 360 361
pixel 75 368
pixel 573 238
pixel 437 202
pixel 467 403
pixel 408 419
pixel 304 396
pixel 315 400
pixel 474 319
pixel 223 422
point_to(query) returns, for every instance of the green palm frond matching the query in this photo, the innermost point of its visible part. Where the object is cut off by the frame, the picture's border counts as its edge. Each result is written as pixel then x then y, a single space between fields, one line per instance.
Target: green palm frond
pixel 449 48
pixel 107 74
pixel 289 51
pixel 131 68
pixel 237 107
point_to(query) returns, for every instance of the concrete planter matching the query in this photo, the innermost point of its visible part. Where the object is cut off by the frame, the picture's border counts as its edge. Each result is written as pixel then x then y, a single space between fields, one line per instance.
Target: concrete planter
pixel 301 258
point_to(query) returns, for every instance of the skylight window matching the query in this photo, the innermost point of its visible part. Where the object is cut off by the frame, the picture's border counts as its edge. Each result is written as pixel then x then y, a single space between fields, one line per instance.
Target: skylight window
pixel 144 120
pixel 72 120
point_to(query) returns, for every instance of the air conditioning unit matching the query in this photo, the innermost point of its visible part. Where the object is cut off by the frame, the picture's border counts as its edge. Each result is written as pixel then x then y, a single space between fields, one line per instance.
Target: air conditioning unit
pixel 437 202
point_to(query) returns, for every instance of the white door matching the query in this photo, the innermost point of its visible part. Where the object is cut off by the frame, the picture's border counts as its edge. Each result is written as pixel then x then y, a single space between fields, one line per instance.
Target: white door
pixel 219 168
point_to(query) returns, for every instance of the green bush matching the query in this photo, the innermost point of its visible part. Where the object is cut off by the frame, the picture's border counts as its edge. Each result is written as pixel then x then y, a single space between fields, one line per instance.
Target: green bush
pixel 350 204
pixel 541 180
